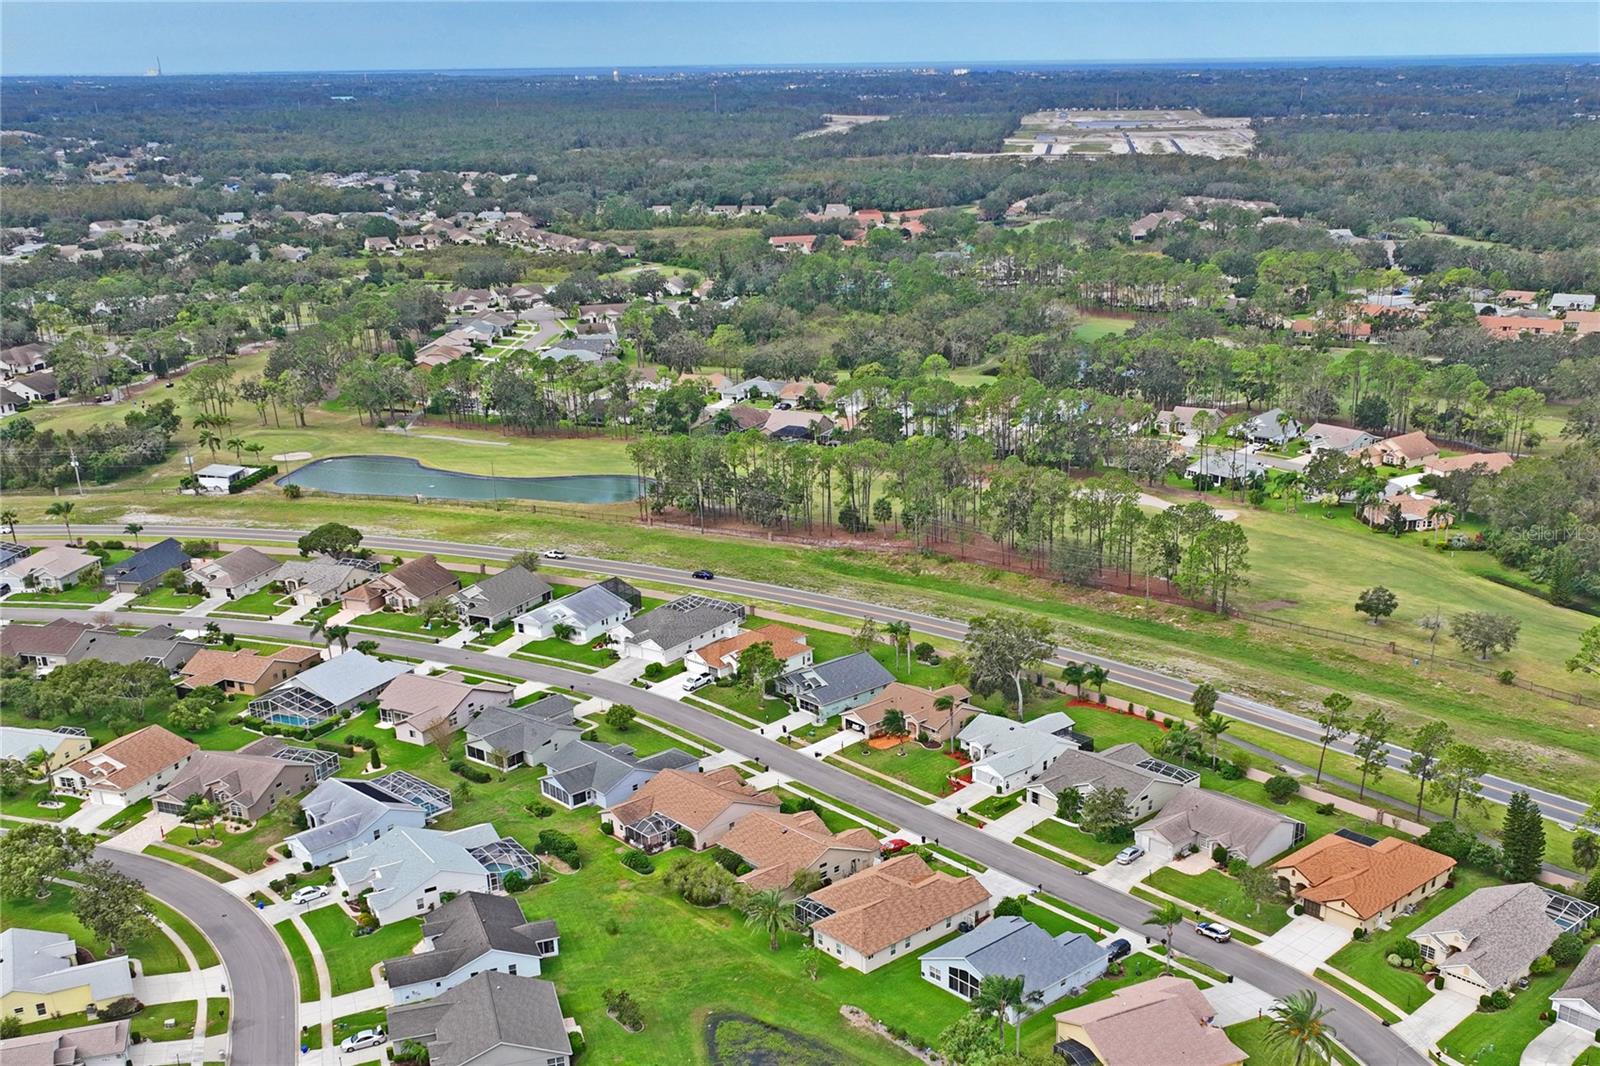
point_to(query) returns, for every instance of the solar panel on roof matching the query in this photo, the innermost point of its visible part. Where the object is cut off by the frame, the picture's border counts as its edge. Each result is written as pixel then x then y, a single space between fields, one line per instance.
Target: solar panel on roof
pixel 1359 838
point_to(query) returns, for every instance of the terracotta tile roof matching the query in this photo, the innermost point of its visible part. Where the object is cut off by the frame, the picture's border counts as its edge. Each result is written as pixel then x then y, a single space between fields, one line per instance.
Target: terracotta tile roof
pixel 1512 324
pixel 129 760
pixel 1165 1020
pixel 213 666
pixel 1366 879
pixel 785 642
pixel 890 902
pixel 779 845
pixel 692 800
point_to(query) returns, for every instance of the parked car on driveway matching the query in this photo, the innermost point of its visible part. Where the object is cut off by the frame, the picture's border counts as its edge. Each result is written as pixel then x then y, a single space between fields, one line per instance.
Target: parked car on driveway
pixel 1117 949
pixel 1129 855
pixel 309 894
pixel 362 1040
pixel 698 681
pixel 1214 931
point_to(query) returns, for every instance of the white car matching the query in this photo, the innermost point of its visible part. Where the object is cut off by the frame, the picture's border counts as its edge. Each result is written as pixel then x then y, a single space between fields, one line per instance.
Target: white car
pixel 363 1040
pixel 1130 855
pixel 309 894
pixel 555 553
pixel 1214 931
pixel 698 681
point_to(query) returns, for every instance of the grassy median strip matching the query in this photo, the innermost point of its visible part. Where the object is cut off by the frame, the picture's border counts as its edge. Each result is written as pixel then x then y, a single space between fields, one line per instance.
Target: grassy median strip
pixel 218 1015
pixel 304 966
pixel 193 862
pixel 1053 856
pixel 205 956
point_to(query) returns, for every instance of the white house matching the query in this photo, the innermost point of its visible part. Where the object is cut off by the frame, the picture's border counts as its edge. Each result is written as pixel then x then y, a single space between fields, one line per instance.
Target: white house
pixel 473 933
pixel 1008 755
pixel 890 910
pixel 405 873
pixel 1197 820
pixel 674 629
pixel 49 569
pixel 589 613
pixel 128 769
pixel 1578 1001
pixel 345 814
pixel 1011 946
pixel 220 478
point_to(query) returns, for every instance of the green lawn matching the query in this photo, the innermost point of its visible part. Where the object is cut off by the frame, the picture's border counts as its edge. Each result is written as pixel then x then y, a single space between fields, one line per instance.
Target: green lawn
pixel 551 648
pixel 155 950
pixel 1055 924
pixel 350 958
pixel 25 804
pixel 1251 1038
pixel 1498 1038
pixel 248 850
pixel 191 860
pixel 494 637
pixel 218 1015
pixel 165 599
pixel 150 1023
pixel 409 624
pixel 351 1024
pixel 1071 838
pixel 76 596
pixel 129 816
pixel 923 768
pixel 205 956
pixel 1220 893
pixel 997 806
pixel 745 701
pixel 1364 959
pixel 639 736
pixel 262 603
pixel 305 967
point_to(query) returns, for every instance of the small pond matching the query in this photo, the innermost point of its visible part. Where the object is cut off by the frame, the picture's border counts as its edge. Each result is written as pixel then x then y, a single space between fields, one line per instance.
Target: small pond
pixel 393 475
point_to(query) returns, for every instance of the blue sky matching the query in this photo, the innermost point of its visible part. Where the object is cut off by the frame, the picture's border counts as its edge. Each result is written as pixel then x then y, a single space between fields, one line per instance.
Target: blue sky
pixel 61 37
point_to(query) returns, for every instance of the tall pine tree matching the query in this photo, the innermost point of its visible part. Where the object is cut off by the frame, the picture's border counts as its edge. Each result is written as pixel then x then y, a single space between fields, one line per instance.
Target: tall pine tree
pixel 1522 839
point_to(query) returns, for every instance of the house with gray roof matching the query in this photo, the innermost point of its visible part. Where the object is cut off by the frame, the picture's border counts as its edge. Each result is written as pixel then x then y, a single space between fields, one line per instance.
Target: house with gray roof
pixel 473 933
pixel 831 688
pixel 40 975
pixel 1578 1001
pixel 508 737
pixel 315 582
pixel 674 629
pixel 1325 437
pixel 114 647
pixel 422 707
pixel 1007 754
pixel 327 689
pixel 343 813
pixel 1010 946
pixel 105 1044
pixel 236 574
pixel 1276 426
pixel 1198 820
pixel 1489 940
pixel 43 646
pixel 1225 468
pixel 407 873
pixel 243 786
pixel 492 1019
pixel 590 613
pixel 1149 783
pixel 50 568
pixel 587 774
pixel 141 571
pixel 501 597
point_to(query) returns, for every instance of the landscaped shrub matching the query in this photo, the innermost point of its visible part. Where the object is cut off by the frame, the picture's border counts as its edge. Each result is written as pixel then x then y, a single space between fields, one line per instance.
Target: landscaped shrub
pixel 622 1007
pixel 655 671
pixel 540 809
pixel 1325 809
pixel 462 768
pixel 1542 965
pixel 1280 788
pixel 639 862
pixel 794 805
pixel 514 882
pixel 1229 772
pixel 117 1009
pixel 344 751
pixel 375 760
pixel 1358 933
pixel 729 860
pixel 703 884
pixel 1392 959
pixel 1011 905
pixel 1149 714
pixel 10 1026
pixel 607 828
pixel 1407 948
pixel 1219 854
pixel 682 838
pixel 195 548
pixel 1567 949
pixel 1506 677
pixel 555 842
pixel 925 652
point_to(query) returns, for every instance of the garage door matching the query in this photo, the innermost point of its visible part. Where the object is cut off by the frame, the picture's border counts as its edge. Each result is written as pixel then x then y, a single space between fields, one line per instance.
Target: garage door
pixel 1157 847
pixel 1582 1019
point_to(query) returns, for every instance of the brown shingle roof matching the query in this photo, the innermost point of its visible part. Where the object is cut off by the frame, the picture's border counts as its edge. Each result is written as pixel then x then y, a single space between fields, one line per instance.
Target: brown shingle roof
pixel 917 703
pixel 213 666
pixel 778 845
pixel 785 643
pixel 54 638
pixel 890 902
pixel 1367 879
pixel 692 800
pixel 128 760
pixel 1165 1020
pixel 423 577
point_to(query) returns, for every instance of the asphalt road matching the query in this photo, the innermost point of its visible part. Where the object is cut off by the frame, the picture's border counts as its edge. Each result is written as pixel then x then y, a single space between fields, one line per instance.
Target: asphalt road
pixel 1498 789
pixel 1372 1042
pixel 260 979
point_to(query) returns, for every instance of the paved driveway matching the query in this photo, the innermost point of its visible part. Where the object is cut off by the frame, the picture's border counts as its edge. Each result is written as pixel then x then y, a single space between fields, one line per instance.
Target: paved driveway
pixel 1557 1045
pixel 1425 1028
pixel 1305 943
pixel 1122 878
pixel 1237 1001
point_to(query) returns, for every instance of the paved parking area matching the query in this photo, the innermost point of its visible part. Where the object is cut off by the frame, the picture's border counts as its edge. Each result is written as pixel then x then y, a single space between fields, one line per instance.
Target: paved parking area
pixel 1424 1029
pixel 1305 943
pixel 1557 1045
pixel 1123 878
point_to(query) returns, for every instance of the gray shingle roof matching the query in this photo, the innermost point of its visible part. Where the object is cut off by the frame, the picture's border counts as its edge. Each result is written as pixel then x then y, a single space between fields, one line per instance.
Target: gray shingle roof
pixel 116 648
pixel 522 728
pixel 482 1013
pixel 508 590
pixel 150 563
pixel 462 930
pixel 838 679
pixel 1506 927
pixel 1584 983
pixel 347 677
pixel 586 607
pixel 1010 946
pixel 681 620
pixel 1237 825
pixel 343 810
pixel 586 765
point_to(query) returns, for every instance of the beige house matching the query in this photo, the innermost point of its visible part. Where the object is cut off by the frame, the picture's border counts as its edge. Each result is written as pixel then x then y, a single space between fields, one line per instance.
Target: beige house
pixel 889 911
pixel 1355 885
pixel 779 846
pixel 20 742
pixel 1408 449
pixel 418 706
pixel 920 707
pixel 245 671
pixel 128 769
pixel 405 587
pixel 706 805
pixel 1489 940
pixel 1162 1021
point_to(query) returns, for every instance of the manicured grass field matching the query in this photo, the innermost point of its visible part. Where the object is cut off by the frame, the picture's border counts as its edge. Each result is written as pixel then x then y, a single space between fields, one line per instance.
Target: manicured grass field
pixel 1220 893
pixel 409 624
pixel 551 648
pixel 922 768
pixel 639 736
pixel 745 701
pixel 1498 1038
pixel 305 967
pixel 262 603
pixel 191 860
pixel 154 950
pixel 218 1014
pixel 76 596
pixel 165 599
pixel 25 804
pixel 1071 838
pixel 1334 980
pixel 128 816
pixel 350 958
pixel 351 1024
pixel 248 850
pixel 151 1023
pixel 1251 1038
pixel 205 956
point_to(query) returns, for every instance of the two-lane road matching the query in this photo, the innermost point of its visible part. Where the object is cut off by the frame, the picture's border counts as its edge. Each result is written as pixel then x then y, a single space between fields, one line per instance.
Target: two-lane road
pixel 1372 1042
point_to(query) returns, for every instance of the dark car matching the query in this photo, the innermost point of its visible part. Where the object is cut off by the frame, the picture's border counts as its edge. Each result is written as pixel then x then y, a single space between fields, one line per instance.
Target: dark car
pixel 703 575
pixel 1117 949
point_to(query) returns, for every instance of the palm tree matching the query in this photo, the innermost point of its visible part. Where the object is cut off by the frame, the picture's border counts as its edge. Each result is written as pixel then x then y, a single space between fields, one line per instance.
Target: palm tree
pixel 339 633
pixel 1180 743
pixel 946 705
pixel 237 444
pixel 1075 674
pixel 1169 916
pixel 8 519
pixel 995 996
pixel 208 439
pixel 1213 726
pixel 255 448
pixel 1298 1022
pixel 1097 676
pixel 768 910
pixel 133 529
pixel 62 509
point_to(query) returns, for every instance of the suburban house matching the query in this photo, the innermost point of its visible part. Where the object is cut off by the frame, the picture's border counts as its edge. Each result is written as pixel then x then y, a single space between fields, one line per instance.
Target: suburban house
pixel 342 814
pixel 220 479
pixel 327 689
pixel 1011 946
pixel 1008 755
pixel 779 846
pixel 1149 783
pixel 156 648
pixel 472 934
pixel 1578 1001
pixel 1274 427
pixel 1327 437
pixel 1180 419
pixel 40 386
pixel 674 629
pixel 751 389
pixel 831 688
pixel 1490 462
pixel 314 583
pixel 20 743
pixel 720 658
pixel 105 1044
pixel 42 647
pixel 420 706
pixel 794 425
pixel 128 769
pixel 48 569
pixel 246 671
pixel 408 870
pixel 1225 468
pixel 236 574
pixel 492 1019
pixel 894 908
pixel 244 787
pixel 1417 513
pixel 1356 882
pixel 1512 326
pixel 509 737
pixel 1489 940
pixel 589 613
pixel 1408 449
pixel 501 597
pixel 1571 301
pixel 1198 820
pixel 923 710
pixel 141 571
pixel 42 978
pixel 804 243
pixel 403 588
pixel 585 773
pixel 705 805
pixel 1166 1019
